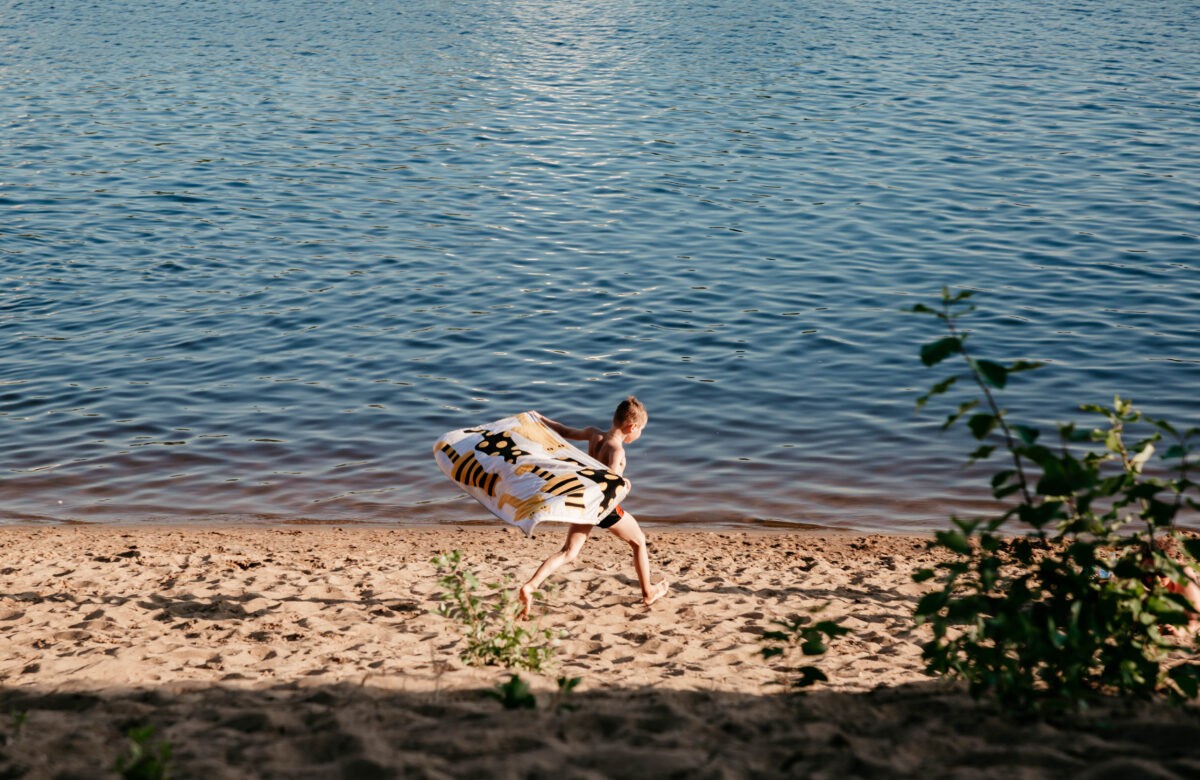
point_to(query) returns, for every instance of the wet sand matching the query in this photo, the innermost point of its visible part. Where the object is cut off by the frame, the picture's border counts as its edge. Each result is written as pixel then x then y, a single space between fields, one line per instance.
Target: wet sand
pixel 298 652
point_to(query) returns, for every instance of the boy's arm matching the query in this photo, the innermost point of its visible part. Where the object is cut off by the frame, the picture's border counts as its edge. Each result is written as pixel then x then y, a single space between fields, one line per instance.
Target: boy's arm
pixel 578 434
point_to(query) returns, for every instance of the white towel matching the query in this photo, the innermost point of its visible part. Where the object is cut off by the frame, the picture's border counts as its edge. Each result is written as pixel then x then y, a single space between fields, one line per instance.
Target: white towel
pixel 525 473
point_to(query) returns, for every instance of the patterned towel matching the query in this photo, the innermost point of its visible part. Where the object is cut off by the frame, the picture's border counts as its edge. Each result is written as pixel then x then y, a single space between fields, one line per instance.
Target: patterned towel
pixel 525 473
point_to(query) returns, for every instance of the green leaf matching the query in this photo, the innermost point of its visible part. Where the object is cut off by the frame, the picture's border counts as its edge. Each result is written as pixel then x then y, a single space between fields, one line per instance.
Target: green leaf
pixel 771 652
pixel 1077 435
pixel 920 308
pixel 1006 491
pixel 1193 547
pixel 1054 480
pixel 1163 425
pixel 1112 440
pixel 993 373
pixel 1159 513
pixel 1026 433
pixel 1187 677
pixel 937 389
pixel 1144 490
pixel 937 351
pixel 1039 515
pixel 963 408
pixel 514 694
pixel 1175 451
pixel 1166 610
pixel 1000 477
pixel 921 575
pixel 981 424
pixel 954 541
pixel 1025 365
pixel 966 526
pixel 982 452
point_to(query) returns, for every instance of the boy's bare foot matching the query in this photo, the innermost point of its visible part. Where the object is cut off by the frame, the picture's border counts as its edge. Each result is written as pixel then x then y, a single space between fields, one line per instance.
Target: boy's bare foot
pixel 657 592
pixel 526 598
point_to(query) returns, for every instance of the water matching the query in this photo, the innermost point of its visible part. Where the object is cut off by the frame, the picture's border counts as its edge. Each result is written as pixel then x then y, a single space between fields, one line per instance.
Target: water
pixel 256 256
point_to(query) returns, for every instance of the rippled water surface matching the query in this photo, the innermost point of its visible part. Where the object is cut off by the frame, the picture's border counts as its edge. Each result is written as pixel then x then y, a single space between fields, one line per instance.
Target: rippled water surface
pixel 256 256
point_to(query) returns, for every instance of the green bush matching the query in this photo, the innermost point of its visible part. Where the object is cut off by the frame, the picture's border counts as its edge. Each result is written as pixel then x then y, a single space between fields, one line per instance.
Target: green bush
pixel 1065 594
pixel 487 616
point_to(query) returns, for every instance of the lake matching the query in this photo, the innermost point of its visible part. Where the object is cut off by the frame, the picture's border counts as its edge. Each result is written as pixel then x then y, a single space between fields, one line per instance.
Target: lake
pixel 256 256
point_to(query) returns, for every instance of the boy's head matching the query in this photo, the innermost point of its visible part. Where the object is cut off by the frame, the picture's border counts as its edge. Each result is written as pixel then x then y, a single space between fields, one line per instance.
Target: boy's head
pixel 631 418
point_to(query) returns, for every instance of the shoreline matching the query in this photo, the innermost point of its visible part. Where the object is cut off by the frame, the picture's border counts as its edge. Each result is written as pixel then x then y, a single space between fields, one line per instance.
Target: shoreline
pixel 772 527
pixel 312 652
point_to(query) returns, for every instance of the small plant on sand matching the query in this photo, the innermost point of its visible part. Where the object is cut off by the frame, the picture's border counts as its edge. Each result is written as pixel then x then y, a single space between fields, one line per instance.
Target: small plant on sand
pixel 143 761
pixel 1069 592
pixel 17 720
pixel 514 694
pixel 563 695
pixel 487 616
pixel 809 636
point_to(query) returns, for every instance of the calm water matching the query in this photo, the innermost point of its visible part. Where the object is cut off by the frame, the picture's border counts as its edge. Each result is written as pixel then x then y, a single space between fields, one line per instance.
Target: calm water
pixel 255 256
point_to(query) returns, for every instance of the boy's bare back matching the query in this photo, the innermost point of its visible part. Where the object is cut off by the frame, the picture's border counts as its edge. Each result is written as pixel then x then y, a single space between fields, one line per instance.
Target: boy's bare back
pixel 608 447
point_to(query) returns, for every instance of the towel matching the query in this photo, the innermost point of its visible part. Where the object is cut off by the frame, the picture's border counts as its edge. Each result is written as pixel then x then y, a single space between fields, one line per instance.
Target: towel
pixel 525 474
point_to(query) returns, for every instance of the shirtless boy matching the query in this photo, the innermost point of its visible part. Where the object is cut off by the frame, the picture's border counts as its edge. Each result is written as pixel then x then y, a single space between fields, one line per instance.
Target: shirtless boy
pixel 608 447
pixel 1189 588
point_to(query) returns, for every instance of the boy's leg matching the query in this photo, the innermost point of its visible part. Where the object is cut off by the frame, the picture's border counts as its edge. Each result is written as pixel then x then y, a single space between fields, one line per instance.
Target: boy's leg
pixel 576 536
pixel 628 530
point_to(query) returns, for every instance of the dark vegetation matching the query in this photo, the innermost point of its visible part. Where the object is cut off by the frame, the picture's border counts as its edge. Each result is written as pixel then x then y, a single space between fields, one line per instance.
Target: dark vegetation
pixel 1071 592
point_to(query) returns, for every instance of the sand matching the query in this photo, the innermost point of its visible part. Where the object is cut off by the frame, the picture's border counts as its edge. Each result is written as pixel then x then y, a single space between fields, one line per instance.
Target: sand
pixel 298 652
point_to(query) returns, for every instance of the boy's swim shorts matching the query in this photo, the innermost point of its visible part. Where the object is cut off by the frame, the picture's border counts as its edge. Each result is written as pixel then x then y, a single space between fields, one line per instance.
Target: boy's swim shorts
pixel 611 518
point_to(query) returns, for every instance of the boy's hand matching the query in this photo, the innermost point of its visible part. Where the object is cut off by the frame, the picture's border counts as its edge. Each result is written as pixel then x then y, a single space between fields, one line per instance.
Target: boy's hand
pixel 581 434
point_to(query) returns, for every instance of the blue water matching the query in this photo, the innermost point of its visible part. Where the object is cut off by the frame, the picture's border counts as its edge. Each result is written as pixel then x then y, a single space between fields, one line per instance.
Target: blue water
pixel 256 256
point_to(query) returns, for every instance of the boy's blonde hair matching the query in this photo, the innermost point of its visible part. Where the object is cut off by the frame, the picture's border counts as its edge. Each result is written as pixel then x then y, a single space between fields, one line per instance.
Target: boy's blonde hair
pixel 630 412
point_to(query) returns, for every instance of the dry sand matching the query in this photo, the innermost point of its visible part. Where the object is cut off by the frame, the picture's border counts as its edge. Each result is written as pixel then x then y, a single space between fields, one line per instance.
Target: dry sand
pixel 299 652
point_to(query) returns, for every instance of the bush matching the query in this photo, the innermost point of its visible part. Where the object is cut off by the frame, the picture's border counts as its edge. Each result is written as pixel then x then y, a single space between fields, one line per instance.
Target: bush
pixel 1066 594
pixel 487 618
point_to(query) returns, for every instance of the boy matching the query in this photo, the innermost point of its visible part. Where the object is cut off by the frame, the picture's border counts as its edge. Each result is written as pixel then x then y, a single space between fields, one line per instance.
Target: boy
pixel 608 447
pixel 1168 545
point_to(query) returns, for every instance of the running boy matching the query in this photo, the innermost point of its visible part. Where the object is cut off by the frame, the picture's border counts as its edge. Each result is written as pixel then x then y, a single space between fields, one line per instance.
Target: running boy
pixel 608 447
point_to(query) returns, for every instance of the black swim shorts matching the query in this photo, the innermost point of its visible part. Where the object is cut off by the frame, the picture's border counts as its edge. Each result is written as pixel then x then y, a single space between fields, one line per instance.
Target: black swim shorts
pixel 611 518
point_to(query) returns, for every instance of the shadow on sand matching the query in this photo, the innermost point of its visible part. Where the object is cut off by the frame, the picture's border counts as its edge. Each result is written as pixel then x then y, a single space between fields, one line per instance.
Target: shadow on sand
pixel 296 730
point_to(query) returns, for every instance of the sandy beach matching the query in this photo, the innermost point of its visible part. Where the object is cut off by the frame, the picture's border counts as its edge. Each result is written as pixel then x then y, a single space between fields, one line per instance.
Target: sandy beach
pixel 314 652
